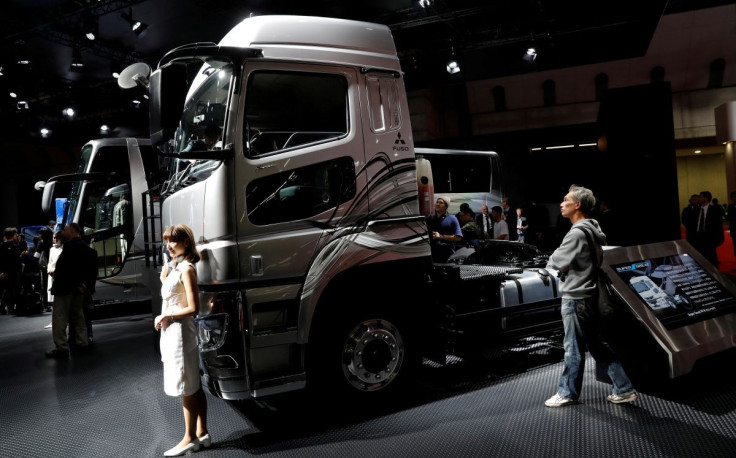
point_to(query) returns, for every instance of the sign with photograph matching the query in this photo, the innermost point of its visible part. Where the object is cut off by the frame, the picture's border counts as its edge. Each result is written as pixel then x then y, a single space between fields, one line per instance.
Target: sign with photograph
pixel 677 289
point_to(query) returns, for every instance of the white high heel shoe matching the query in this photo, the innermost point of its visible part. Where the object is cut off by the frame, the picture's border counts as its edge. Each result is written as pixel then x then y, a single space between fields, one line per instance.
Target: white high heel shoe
pixel 193 446
pixel 205 440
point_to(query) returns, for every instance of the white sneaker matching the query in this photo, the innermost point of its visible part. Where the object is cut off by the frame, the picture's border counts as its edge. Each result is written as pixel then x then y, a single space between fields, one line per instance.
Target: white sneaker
pixel 48 326
pixel 559 401
pixel 620 399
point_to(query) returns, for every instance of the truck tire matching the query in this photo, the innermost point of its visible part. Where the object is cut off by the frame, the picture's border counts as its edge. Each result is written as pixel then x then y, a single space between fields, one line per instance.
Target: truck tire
pixel 368 354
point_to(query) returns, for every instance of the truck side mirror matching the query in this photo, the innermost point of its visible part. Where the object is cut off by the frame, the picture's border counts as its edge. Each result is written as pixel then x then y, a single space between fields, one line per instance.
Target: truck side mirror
pixel 167 91
pixel 48 196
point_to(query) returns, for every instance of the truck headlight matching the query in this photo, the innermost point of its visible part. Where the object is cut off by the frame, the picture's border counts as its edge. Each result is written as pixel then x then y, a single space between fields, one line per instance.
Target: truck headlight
pixel 211 331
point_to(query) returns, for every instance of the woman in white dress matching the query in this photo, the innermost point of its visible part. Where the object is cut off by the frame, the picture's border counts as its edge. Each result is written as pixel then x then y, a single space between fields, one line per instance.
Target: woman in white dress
pixel 179 351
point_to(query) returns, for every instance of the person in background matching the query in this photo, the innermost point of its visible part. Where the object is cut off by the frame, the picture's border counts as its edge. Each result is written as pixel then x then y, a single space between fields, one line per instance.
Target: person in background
pixel 689 217
pixel 43 248
pixel 578 283
pixel 75 268
pixel 708 229
pixel 54 253
pixel 179 352
pixel 468 226
pixel 521 226
pixel 484 222
pixel 509 215
pixel 444 230
pixel 11 256
pixel 500 227
pixel 731 217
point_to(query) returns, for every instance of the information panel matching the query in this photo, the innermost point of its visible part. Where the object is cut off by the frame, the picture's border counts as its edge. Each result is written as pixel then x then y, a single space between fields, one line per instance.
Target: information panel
pixel 680 298
pixel 677 289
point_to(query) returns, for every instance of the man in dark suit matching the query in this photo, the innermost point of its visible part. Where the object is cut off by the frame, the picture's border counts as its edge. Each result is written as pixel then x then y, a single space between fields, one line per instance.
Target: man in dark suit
pixel 708 228
pixel 484 222
pixel 690 217
pixel 76 270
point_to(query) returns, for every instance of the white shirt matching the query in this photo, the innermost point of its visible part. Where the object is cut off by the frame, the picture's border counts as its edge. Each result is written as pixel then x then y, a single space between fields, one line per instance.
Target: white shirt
pixel 500 228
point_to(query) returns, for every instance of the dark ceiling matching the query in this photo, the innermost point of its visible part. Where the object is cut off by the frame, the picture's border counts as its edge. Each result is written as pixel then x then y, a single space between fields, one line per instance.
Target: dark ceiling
pixel 489 38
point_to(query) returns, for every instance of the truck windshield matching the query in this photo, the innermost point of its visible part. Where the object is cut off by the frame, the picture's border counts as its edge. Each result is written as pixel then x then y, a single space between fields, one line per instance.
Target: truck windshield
pixel 76 188
pixel 202 124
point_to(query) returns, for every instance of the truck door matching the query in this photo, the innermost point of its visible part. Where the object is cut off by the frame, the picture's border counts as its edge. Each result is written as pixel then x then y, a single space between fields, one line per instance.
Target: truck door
pixel 298 174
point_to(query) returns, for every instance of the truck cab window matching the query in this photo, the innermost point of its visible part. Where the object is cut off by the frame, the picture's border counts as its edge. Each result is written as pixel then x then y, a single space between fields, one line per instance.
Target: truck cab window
pixel 106 207
pixel 203 119
pixel 383 103
pixel 292 109
pixel 301 193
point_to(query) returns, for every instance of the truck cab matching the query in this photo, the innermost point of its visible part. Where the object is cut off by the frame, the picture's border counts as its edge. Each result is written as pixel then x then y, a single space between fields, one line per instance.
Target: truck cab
pixel 295 167
pixel 108 196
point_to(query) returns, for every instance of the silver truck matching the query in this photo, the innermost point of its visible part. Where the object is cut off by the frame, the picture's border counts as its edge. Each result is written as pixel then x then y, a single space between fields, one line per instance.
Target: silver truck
pixel 113 196
pixel 294 164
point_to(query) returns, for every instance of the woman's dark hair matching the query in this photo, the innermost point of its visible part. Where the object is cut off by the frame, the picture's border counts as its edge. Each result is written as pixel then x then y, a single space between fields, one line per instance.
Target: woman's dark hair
pixel 182 233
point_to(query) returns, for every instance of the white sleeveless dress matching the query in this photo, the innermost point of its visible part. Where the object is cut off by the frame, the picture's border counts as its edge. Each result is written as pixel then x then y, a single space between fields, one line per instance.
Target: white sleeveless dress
pixel 179 351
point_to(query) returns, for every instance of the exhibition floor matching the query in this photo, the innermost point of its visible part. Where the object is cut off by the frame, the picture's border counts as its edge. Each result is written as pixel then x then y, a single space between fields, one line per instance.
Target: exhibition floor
pixel 108 402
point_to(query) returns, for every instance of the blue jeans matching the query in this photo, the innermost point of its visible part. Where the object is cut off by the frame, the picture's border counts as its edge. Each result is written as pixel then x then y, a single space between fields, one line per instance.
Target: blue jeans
pixel 581 331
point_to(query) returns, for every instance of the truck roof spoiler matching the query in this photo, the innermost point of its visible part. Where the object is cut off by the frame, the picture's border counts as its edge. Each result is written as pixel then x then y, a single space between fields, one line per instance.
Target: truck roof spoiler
pixel 206 51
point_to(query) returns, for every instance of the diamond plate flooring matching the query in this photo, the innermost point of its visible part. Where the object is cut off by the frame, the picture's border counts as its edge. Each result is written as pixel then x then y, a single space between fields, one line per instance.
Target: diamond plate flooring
pixel 109 402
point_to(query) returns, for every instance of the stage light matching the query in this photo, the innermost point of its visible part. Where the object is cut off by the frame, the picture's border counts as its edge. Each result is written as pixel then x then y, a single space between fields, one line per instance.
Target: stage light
pixel 531 54
pixel 91 28
pixel 77 65
pixel 138 27
pixel 453 66
pixel 68 113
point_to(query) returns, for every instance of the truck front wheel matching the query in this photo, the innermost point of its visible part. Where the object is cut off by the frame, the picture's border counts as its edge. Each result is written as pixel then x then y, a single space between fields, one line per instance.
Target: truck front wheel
pixel 365 355
pixel 372 355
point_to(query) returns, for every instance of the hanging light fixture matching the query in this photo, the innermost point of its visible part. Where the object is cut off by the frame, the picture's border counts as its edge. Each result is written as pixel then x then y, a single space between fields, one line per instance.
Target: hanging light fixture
pixel 453 66
pixel 90 28
pixel 138 27
pixel 77 65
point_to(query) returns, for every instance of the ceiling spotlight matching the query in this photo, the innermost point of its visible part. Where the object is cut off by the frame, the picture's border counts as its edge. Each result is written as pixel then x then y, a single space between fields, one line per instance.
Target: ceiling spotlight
pixel 425 3
pixel 531 54
pixel 116 68
pixel 453 67
pixel 21 53
pixel 12 94
pixel 138 27
pixel 45 133
pixel 1 71
pixel 91 29
pixel 77 63
pixel 104 129
pixel 68 113
pixel 22 105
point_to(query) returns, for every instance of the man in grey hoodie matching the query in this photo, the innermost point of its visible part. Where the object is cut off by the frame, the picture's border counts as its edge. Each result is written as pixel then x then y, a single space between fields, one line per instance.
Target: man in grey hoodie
pixel 578 283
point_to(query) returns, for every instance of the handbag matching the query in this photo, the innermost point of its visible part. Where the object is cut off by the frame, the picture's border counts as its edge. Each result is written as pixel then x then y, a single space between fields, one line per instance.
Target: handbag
pixel 604 297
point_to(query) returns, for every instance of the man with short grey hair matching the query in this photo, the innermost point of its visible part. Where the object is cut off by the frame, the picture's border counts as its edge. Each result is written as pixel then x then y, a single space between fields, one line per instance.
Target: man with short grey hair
pixel 576 263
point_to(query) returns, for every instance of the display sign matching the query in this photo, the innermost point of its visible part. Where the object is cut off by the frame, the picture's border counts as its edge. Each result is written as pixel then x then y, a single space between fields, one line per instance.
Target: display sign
pixel 677 289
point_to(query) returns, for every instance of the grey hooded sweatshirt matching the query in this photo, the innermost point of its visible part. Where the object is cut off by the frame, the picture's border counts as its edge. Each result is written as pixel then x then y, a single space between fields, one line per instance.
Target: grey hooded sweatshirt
pixel 572 259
